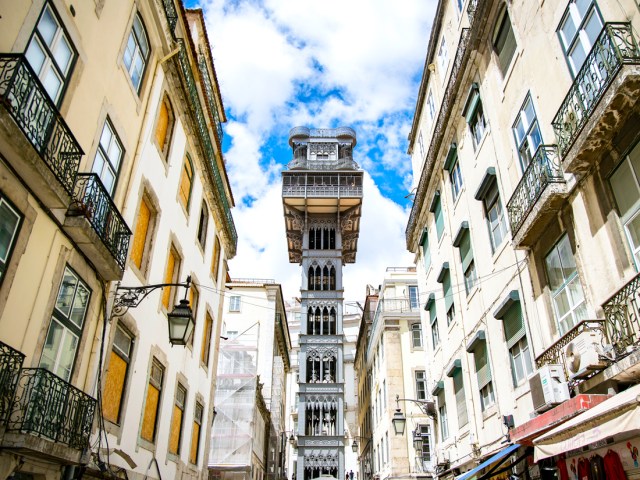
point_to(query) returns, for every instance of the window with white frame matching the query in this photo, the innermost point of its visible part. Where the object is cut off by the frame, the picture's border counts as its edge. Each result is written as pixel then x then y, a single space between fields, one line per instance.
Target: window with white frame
pixel 416 335
pixel 579 28
pixel 483 373
pixel 433 320
pixel 474 115
pixel 443 56
pixel 136 53
pixel 452 165
pixel 234 303
pixel 436 208
pixel 414 302
pixel 443 417
pixel 51 53
pixel 431 107
pixel 504 41
pixel 496 220
pixel 526 133
pixel 425 451
pixel 625 184
pixel 108 157
pixel 421 384
pixel 421 145
pixel 463 243
pixel 67 321
pixel 564 282
pixel 426 252
pixel 10 222
pixel 516 338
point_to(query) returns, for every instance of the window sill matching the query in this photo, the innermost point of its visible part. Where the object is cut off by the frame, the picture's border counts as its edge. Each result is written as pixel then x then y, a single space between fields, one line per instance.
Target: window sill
pixel 489 412
pixel 507 75
pixel 458 197
pixel 472 293
pixel 501 248
pixel 173 457
pixel 477 148
pixel 147 445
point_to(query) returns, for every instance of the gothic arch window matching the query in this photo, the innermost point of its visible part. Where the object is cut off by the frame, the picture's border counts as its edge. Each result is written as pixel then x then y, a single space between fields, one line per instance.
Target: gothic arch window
pixel 325 278
pixel 332 278
pixel 311 279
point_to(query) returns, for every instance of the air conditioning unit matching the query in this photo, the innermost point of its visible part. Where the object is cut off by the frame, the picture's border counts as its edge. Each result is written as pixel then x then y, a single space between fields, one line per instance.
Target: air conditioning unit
pixel 582 354
pixel 548 387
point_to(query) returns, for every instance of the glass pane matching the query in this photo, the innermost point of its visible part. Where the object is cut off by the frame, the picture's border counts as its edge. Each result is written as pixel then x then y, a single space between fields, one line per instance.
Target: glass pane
pixel 51 346
pixel 115 151
pixel 108 180
pixel 35 55
pixel 80 305
pixel 65 295
pixel 98 163
pixel 554 270
pixel 526 356
pixel 634 157
pixel 8 224
pixel 105 137
pixel 129 51
pixel 567 31
pixel 63 55
pixel 517 363
pixel 67 354
pixel 566 257
pixel 633 230
pixel 593 27
pixel 576 57
pixel 52 83
pixel 561 302
pixel 535 138
pixel 582 6
pixel 47 26
pixel 576 294
pixel 122 342
pixel 625 188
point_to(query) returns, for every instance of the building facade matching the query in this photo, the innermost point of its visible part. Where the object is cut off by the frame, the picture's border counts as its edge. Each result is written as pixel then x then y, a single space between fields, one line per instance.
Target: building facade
pixel 525 127
pixel 90 150
pixel 248 436
pixel 322 198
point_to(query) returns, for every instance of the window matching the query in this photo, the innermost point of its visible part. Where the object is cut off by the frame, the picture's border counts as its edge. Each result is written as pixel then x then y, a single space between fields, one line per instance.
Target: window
pixel 568 298
pixel 194 298
pixel 625 184
pixel 152 402
pixel 175 431
pixel 65 329
pixel 455 176
pixel 142 238
pixel 234 303
pixel 202 225
pixel 461 404
pixel 206 339
pixel 442 414
pixel 426 253
pixel 195 433
pixel 504 42
pixel 458 4
pixel 447 292
pixel 414 302
pixel 421 146
pixel 164 126
pixel 443 56
pixel 10 222
pixel 171 276
pixel 421 385
pixel 496 221
pixel 116 375
pixel 425 436
pixel 433 319
pixel 186 183
pixel 51 53
pixel 136 53
pixel 515 335
pixel 436 208
pixel 215 259
pixel 474 116
pixel 463 242
pixel 487 397
pixel 483 372
pixel 431 107
pixel 416 335
pixel 527 133
pixel 108 157
pixel 578 31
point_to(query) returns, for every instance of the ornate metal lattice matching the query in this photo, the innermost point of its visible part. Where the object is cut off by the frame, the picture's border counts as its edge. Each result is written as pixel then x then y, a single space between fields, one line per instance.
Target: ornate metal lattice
pixel 211 99
pixel 622 319
pixel 555 353
pixel 320 460
pixel 10 365
pixel 28 103
pixel 47 406
pixel 615 47
pixel 545 168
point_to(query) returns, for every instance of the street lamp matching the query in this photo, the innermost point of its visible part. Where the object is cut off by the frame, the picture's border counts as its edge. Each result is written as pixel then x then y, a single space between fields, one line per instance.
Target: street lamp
pixel 180 320
pixel 354 444
pixel 400 422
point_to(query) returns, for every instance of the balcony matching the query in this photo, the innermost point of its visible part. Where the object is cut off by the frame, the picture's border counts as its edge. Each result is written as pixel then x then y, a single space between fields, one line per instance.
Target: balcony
pixel 10 365
pixel 622 318
pixel 346 163
pixel 34 137
pixel 537 197
pixel 601 99
pixel 50 416
pixel 95 224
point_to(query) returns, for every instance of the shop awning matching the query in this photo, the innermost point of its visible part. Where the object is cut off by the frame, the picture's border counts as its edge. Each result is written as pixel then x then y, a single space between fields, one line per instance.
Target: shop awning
pixel 501 455
pixel 617 415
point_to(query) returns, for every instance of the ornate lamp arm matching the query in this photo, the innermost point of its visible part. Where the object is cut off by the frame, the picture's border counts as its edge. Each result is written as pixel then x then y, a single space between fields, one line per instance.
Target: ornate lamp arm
pixel 127 297
pixel 428 408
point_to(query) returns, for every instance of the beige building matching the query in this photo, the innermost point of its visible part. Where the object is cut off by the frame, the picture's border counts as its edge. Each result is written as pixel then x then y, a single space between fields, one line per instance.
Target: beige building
pixel 111 171
pixel 524 150
pixel 391 365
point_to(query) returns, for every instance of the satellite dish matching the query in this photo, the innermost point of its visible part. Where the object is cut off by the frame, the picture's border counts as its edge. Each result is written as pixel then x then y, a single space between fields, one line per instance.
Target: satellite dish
pixel 572 355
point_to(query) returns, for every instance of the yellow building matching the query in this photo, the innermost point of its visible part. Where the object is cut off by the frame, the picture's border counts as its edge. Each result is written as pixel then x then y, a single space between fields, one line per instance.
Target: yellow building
pixel 111 170
pixel 525 157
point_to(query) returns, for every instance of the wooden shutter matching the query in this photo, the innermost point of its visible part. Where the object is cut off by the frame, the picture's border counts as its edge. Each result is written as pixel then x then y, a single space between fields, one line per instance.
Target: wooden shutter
pixel 215 260
pixel 163 125
pixel 113 387
pixel 195 434
pixel 185 182
pixel 206 339
pixel 140 237
pixel 150 413
pixel 168 278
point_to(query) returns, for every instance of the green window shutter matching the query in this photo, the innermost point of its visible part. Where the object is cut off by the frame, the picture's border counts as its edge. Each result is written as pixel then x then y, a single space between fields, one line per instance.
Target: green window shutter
pixel 432 313
pixel 466 254
pixel 461 404
pixel 472 103
pixel 483 370
pixel 426 252
pixel 448 293
pixel 513 325
pixel 439 219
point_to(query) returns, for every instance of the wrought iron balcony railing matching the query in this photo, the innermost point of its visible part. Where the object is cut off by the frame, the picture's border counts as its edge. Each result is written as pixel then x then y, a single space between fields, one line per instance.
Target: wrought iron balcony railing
pixel 211 100
pixel 616 46
pixel 172 15
pixel 622 318
pixel 47 406
pixel 92 200
pixel 554 355
pixel 544 169
pixel 346 163
pixel 10 365
pixel 28 103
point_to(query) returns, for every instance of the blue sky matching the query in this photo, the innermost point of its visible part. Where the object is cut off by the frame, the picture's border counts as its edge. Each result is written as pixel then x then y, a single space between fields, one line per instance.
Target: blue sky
pixel 284 63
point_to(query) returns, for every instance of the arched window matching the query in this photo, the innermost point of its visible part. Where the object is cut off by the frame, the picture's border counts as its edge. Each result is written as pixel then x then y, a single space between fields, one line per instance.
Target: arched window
pixel 311 280
pixel 318 279
pixel 332 278
pixel 164 126
pixel 332 322
pixel 325 321
pixel 325 278
pixel 325 239
pixel 186 182
pixel 332 238
pixel 312 238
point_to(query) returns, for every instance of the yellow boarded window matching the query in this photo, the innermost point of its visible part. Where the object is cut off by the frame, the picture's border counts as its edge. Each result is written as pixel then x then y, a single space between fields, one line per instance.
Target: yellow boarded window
pixel 195 434
pixel 175 433
pixel 194 297
pixel 162 126
pixel 186 180
pixel 140 237
pixel 150 414
pixel 206 339
pixel 215 260
pixel 116 375
pixel 171 276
